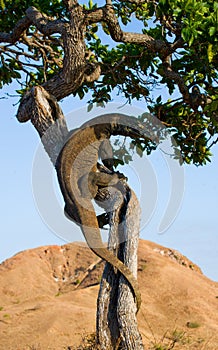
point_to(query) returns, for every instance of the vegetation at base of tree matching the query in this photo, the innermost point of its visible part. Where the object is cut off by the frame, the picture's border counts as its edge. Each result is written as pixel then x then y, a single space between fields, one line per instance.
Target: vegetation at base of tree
pixel 176 339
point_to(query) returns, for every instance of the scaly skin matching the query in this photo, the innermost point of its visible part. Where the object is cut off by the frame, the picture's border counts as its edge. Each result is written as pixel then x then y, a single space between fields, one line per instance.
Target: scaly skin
pixel 77 160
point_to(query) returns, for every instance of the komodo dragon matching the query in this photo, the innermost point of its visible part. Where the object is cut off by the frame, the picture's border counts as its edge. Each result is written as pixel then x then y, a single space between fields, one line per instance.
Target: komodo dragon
pixel 79 179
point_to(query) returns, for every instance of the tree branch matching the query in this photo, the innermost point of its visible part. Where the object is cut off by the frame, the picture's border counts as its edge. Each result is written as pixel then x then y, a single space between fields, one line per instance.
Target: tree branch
pixel 18 30
pixel 70 4
pixel 47 117
pixel 163 48
pixel 176 78
pixel 94 15
pixel 43 23
pixel 76 69
pixel 107 14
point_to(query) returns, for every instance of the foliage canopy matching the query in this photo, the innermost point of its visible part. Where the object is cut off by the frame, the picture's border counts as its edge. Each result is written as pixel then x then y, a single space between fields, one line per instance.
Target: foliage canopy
pixel 171 47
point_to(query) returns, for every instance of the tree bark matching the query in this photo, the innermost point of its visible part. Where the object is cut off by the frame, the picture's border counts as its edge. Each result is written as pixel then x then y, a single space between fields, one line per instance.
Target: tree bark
pixel 47 118
pixel 116 326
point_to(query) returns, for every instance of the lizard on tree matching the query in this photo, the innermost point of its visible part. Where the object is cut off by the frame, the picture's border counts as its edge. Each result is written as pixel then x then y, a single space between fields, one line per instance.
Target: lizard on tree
pixel 79 179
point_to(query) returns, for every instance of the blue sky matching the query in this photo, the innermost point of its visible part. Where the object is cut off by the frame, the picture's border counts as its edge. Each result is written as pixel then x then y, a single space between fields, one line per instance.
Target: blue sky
pixel 194 232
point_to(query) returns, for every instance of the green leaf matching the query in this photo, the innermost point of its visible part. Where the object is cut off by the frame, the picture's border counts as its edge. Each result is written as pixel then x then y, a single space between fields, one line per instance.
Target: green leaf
pixel 212 31
pixel 186 34
pixel 81 94
pixel 90 4
pixel 139 151
pixel 158 100
pixel 89 107
pixel 210 52
pixel 127 158
pixel 2 4
pixel 190 42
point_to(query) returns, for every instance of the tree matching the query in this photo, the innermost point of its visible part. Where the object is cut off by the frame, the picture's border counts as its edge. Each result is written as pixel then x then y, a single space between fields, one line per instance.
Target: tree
pixel 58 49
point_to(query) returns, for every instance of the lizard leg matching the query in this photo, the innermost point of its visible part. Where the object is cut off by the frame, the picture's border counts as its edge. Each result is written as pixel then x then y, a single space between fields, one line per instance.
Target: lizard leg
pixel 89 188
pixel 90 183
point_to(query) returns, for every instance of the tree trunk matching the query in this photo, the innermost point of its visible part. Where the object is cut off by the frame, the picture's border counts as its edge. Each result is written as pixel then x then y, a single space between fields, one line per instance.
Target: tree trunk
pixel 116 309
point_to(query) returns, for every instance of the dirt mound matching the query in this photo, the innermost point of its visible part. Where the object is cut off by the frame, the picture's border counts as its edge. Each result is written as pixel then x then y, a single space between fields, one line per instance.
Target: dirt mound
pixel 48 299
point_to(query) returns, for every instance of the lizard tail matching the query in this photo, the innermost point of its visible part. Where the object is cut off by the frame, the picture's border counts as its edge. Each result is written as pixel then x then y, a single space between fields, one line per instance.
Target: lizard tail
pixel 91 232
pixel 124 270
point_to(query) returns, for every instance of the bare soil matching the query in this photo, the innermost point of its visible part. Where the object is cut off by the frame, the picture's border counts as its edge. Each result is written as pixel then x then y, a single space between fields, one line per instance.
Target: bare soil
pixel 48 299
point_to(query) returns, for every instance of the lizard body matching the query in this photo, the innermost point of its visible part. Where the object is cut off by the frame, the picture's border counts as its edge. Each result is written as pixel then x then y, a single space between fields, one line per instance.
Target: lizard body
pixel 76 162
